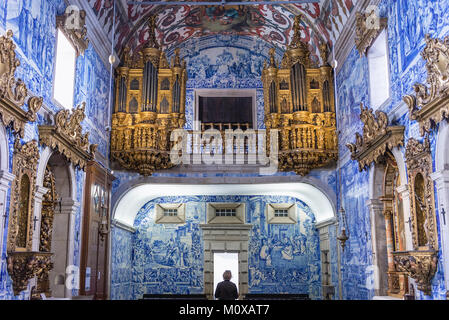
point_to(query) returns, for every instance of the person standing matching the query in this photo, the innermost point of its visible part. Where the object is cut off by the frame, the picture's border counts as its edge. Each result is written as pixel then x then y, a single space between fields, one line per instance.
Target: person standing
pixel 226 290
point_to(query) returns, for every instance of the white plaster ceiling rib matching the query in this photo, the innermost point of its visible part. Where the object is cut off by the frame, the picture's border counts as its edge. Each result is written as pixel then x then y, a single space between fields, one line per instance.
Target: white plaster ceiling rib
pixel 127 207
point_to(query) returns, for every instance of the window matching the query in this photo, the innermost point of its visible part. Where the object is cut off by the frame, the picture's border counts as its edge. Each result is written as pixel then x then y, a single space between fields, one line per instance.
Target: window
pixel 281 212
pixel 379 75
pixel 170 212
pixel 64 72
pixel 225 212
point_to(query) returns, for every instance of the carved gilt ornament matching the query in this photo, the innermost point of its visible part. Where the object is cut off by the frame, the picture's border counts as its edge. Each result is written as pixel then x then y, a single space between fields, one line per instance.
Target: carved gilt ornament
pixel 430 104
pixel 13 92
pixel 422 199
pixel 419 265
pixel 378 137
pixel 66 136
pixel 22 263
pixel 366 33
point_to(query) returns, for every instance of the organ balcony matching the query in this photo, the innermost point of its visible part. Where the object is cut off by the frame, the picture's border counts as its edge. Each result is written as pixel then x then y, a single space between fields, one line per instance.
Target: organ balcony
pixel 299 103
pixel 149 105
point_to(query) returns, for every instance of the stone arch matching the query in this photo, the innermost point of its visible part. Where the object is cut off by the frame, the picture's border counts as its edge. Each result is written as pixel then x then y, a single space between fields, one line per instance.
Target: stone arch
pixel 383 185
pixel 63 235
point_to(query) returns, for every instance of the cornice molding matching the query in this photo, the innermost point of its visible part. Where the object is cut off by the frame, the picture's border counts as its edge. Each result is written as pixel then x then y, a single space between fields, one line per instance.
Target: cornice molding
pixel 95 32
pixel 345 42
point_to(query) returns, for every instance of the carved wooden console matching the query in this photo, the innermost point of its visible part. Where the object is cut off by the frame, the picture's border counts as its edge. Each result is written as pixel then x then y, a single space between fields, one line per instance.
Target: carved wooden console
pixel 378 137
pixel 365 33
pixel 419 265
pixel 430 104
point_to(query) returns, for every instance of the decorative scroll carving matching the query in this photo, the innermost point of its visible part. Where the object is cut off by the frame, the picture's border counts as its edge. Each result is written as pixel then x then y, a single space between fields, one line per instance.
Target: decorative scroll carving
pixel 419 168
pixel 25 162
pixel 13 93
pixel 430 105
pixel 48 211
pixel 150 104
pixel 73 25
pixel 377 138
pixel 419 265
pixel 66 136
pixel 365 34
pixel 299 102
pixel 23 266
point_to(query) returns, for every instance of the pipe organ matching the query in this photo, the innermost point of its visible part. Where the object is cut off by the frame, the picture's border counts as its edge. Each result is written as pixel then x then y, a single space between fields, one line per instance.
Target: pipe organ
pixel 299 102
pixel 149 104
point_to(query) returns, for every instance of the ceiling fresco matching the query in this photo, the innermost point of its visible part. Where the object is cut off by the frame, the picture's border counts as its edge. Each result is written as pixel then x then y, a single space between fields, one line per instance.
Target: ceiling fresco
pixel 322 22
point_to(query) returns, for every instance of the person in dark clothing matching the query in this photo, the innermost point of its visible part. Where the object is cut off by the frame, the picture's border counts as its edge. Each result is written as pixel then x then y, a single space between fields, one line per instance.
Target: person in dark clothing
pixel 226 290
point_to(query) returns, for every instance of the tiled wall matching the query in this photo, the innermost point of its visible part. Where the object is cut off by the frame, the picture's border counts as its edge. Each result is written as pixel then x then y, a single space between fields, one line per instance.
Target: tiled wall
pixel 34 26
pixel 169 258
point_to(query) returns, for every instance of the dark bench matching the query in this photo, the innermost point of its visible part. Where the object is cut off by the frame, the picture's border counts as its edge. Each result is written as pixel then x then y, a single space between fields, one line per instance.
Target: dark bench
pixel 267 296
pixel 174 297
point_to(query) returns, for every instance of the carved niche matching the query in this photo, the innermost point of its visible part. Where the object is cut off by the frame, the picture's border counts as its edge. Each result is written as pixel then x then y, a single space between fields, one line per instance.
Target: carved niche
pixel 13 92
pixel 366 32
pixel 420 264
pixel 430 104
pixel 419 168
pixel 66 136
pixel 378 137
pixel 73 25
pixel 23 264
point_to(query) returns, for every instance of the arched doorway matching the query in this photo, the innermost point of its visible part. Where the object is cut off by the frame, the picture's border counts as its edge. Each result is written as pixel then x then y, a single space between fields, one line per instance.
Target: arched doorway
pixel 56 210
pixel 389 202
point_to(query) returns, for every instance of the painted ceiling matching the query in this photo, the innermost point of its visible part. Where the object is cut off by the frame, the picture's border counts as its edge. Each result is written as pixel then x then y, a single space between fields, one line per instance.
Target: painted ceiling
pixel 322 22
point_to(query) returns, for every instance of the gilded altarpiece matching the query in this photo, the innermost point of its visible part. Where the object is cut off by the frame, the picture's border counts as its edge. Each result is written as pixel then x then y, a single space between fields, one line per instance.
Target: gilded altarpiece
pixel 421 263
pixel 149 105
pixel 23 263
pixel 375 145
pixel 299 103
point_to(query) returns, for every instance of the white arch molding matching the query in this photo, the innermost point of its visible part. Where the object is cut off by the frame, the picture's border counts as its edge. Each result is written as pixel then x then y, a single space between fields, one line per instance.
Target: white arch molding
pixel 441 178
pixel 132 200
pixel 63 239
pixel 5 180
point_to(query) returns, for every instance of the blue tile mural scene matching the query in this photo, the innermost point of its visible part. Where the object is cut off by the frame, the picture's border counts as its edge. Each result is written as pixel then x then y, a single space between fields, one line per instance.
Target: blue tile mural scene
pixel 159 258
pixel 34 27
pixel 165 258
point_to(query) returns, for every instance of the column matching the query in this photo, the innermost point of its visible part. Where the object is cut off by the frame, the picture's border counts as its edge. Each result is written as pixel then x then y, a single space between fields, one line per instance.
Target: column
pixel 63 245
pixel 5 179
pixel 36 221
pixel 378 239
pixel 441 179
pixel 405 194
